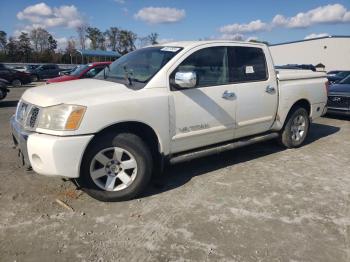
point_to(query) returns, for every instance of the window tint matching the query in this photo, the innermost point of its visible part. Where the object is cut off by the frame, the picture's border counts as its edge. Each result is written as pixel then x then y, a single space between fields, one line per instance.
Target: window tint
pixel 210 65
pixel 247 64
pixel 93 71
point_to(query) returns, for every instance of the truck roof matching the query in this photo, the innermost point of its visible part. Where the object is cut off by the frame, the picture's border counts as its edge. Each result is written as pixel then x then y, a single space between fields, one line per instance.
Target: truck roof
pixel 186 44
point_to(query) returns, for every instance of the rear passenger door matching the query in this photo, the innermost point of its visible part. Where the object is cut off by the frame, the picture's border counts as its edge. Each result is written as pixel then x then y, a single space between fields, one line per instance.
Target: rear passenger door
pixel 256 90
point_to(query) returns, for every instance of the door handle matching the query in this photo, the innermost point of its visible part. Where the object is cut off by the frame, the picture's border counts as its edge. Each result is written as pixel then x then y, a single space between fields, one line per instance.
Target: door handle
pixel 228 95
pixel 270 90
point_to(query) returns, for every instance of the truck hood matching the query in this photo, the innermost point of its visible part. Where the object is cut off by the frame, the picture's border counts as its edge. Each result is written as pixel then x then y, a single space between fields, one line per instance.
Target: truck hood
pixel 81 92
pixel 339 89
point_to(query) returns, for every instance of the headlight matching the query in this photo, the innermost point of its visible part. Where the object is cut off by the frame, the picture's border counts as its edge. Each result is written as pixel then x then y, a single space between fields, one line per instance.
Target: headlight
pixel 61 117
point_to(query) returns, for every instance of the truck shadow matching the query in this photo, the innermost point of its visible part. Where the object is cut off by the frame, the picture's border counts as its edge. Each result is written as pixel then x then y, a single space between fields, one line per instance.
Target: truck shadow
pixel 178 175
pixel 337 117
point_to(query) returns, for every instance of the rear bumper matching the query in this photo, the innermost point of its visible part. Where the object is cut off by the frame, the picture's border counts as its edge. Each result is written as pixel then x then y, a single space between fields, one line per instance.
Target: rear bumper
pixel 51 155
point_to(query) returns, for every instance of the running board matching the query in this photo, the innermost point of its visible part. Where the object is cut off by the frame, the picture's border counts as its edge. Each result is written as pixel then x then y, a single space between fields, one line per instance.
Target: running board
pixel 221 148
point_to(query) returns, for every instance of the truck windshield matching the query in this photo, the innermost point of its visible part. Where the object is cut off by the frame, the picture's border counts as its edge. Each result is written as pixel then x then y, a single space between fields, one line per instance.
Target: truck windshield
pixel 345 81
pixel 137 68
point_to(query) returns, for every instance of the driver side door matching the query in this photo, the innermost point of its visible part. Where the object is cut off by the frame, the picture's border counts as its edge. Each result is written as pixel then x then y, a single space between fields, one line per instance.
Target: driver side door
pixel 205 114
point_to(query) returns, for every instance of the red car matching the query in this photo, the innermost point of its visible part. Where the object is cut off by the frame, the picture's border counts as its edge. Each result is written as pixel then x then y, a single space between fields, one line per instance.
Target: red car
pixel 82 71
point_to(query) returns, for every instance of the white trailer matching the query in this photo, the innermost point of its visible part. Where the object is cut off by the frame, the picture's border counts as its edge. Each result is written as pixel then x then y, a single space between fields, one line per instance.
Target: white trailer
pixel 331 51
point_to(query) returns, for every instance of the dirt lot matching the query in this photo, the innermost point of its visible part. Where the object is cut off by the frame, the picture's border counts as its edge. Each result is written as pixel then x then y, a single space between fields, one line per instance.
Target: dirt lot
pixel 259 203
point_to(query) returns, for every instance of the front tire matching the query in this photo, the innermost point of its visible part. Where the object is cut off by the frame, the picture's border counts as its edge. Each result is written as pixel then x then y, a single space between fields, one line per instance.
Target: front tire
pixel 116 167
pixel 3 93
pixel 16 83
pixel 296 128
pixel 35 78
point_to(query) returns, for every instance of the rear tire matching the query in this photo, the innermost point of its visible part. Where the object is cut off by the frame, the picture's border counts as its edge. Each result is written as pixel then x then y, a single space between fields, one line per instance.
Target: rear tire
pixel 16 83
pixel 35 78
pixel 3 94
pixel 116 167
pixel 296 128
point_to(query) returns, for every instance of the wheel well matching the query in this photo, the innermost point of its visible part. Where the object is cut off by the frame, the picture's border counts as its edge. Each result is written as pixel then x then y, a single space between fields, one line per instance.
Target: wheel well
pixel 302 103
pixel 145 132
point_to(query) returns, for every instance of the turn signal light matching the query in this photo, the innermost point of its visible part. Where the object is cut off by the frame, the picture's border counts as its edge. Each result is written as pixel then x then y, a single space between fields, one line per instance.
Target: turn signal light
pixel 74 119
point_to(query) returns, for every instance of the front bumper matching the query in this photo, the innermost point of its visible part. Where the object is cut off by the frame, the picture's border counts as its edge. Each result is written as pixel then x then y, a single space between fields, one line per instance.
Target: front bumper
pixel 50 155
pixel 336 111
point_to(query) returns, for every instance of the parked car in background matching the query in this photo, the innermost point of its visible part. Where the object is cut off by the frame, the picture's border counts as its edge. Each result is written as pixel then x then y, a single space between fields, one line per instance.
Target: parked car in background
pixel 83 71
pixel 333 79
pixel 44 72
pixel 163 104
pixel 3 88
pixel 339 97
pixel 25 68
pixel 14 77
pixel 333 73
pixel 68 71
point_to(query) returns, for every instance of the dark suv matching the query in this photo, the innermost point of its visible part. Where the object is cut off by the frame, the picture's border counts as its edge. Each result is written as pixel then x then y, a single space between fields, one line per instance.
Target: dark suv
pixel 3 88
pixel 45 71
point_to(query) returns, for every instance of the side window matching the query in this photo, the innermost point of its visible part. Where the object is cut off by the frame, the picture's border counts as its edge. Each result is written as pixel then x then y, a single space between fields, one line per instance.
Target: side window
pixel 209 64
pixel 247 64
pixel 93 72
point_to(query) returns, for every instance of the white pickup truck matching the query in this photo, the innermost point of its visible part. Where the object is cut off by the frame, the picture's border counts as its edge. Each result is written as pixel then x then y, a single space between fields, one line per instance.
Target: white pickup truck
pixel 163 104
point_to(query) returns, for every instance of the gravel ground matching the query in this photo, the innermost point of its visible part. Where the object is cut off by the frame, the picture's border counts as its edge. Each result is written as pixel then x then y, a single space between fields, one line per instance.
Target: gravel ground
pixel 259 203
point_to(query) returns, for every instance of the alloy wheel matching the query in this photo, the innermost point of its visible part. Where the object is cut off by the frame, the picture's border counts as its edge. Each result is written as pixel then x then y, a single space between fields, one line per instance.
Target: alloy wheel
pixel 113 169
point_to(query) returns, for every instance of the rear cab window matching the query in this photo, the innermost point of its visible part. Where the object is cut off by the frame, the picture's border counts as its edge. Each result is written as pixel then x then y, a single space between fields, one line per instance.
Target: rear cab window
pixel 247 64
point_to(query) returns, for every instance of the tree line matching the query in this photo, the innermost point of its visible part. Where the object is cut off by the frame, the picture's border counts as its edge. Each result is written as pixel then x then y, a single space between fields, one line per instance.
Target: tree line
pixel 40 46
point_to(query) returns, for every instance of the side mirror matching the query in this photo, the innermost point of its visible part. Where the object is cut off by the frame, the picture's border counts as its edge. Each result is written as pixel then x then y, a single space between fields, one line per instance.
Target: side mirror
pixel 186 79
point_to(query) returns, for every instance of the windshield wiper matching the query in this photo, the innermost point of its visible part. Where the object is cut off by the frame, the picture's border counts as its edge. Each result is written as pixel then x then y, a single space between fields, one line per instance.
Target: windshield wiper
pixel 104 72
pixel 128 75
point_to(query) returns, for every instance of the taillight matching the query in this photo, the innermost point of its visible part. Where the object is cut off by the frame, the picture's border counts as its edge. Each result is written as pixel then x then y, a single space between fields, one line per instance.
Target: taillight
pixel 327 87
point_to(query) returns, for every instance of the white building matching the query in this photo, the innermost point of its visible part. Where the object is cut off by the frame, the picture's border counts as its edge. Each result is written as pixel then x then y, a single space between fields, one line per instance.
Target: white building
pixel 331 51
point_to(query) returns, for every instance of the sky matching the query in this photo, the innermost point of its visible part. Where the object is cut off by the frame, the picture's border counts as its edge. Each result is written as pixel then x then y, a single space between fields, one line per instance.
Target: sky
pixel 274 21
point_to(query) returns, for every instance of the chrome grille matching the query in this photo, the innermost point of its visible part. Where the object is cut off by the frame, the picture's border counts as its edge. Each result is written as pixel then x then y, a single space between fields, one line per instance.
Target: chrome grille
pixel 32 117
pixel 338 101
pixel 27 115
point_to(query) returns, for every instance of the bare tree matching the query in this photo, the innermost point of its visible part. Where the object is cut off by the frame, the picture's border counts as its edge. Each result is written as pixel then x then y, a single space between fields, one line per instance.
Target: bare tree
pixel 34 37
pixel 153 38
pixel 70 49
pixel 40 39
pixel 113 37
pixel 81 30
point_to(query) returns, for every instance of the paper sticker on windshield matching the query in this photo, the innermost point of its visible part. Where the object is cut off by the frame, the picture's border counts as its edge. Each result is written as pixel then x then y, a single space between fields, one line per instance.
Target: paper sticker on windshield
pixel 170 49
pixel 249 70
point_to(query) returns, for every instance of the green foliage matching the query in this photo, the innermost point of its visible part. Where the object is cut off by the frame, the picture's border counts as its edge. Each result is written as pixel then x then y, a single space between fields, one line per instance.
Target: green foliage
pixel 3 40
pixel 40 46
